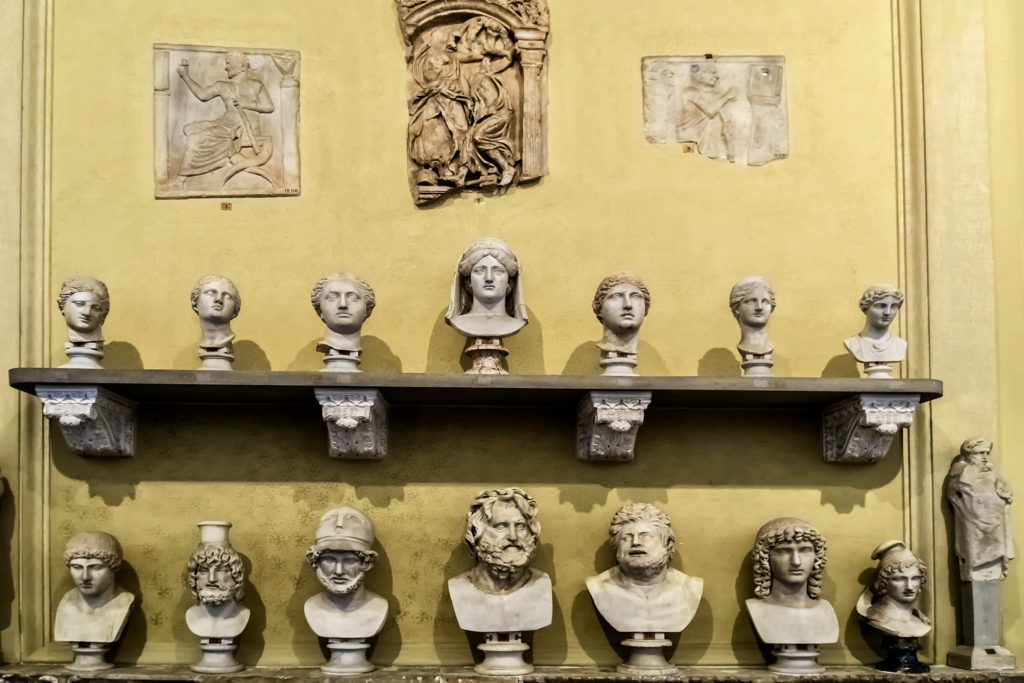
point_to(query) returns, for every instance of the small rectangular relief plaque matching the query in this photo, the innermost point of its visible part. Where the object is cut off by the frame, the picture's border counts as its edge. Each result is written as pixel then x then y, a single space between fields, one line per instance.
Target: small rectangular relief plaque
pixel 226 121
pixel 730 107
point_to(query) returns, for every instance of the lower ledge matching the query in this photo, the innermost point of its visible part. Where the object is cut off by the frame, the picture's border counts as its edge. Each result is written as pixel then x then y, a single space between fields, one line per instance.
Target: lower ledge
pixel 544 674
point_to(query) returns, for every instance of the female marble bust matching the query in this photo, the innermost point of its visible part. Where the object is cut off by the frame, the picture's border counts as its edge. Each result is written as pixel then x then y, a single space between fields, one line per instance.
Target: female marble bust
pixel 874 343
pixel 487 295
pixel 889 603
pixel 84 302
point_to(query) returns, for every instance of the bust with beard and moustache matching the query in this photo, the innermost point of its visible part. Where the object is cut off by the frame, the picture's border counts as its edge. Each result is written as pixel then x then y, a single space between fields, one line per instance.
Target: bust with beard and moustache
pixel 217 578
pixel 642 593
pixel 502 593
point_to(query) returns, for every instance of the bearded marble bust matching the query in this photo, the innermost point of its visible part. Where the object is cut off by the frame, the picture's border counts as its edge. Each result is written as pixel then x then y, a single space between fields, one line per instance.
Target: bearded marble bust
pixel 642 593
pixel 341 556
pixel 216 577
pixel 502 593
pixel 889 603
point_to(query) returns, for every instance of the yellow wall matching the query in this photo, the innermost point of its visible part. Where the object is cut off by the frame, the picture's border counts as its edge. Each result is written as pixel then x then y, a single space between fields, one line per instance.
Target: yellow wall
pixel 821 225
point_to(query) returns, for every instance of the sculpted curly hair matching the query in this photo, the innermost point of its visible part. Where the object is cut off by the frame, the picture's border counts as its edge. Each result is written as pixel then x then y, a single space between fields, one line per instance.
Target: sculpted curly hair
pixel 480 512
pixel 876 292
pixel 619 279
pixel 207 556
pixel 786 530
pixel 83 283
pixel 745 287
pixel 362 285
pixel 881 582
pixel 94 544
pixel 207 279
pixel 642 512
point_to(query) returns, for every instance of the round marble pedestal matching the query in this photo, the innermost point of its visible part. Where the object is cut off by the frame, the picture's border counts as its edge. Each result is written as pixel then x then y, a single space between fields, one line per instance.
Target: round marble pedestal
pixel 618 364
pixel 89 657
pixel 347 657
pixel 83 356
pixel 216 360
pixel 218 656
pixel 503 655
pixel 646 656
pixel 796 660
pixel 755 365
pixel 341 361
pixel 878 370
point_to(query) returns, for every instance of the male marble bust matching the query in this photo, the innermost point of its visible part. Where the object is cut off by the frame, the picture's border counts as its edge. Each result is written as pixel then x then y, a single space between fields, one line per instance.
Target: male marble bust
pixel 642 593
pixel 889 603
pixel 341 556
pixel 789 560
pixel 216 577
pixel 486 296
pixel 216 301
pixel 343 301
pixel 502 593
pixel 96 609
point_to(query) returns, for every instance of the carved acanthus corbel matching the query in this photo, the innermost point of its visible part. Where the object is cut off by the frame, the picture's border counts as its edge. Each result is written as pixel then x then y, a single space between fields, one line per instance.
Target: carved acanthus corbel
pixel 607 424
pixel 357 422
pixel 94 421
pixel 860 429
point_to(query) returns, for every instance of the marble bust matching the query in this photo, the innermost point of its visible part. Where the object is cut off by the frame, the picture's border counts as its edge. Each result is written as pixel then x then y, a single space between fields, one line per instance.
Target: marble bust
pixel 889 603
pixel 642 593
pixel 216 301
pixel 341 556
pixel 96 609
pixel 752 301
pixel 502 593
pixel 343 301
pixel 981 500
pixel 84 302
pixel 875 345
pixel 789 560
pixel 621 303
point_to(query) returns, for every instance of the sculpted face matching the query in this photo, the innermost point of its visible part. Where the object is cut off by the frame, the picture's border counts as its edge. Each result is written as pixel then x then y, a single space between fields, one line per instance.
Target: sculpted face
pixel 342 306
pixel 755 308
pixel 83 311
pixel 506 541
pixel 979 458
pixel 640 549
pixel 234 65
pixel 214 584
pixel 708 76
pixel 340 571
pixel 216 302
pixel 623 308
pixel 905 586
pixel 91 575
pixel 489 281
pixel 792 562
pixel 881 313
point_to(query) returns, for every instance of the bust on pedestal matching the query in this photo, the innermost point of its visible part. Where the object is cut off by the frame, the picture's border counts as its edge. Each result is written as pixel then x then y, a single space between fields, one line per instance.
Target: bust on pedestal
pixel 620 304
pixel 346 613
pixel 642 595
pixel 343 301
pixel 216 576
pixel 216 301
pixel 889 604
pixel 92 615
pixel 789 559
pixel 502 596
pixel 752 301
pixel 983 545
pixel 875 346
pixel 486 303
pixel 84 303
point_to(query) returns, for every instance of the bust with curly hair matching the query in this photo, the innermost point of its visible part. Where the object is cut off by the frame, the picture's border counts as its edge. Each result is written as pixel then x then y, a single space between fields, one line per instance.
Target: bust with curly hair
pixel 343 301
pixel 642 593
pixel 789 560
pixel 752 302
pixel 875 345
pixel 889 603
pixel 84 302
pixel 216 576
pixel 96 609
pixel 621 303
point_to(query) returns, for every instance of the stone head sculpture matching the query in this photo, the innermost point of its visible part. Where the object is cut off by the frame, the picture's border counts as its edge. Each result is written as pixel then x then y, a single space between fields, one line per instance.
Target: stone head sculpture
pixel 620 304
pixel 502 531
pixel 643 540
pixel 216 574
pixel 789 560
pixel 752 301
pixel 93 558
pixel 487 295
pixel 84 303
pixel 343 301
pixel 216 301
pixel 342 553
pixel 881 303
pixel 875 346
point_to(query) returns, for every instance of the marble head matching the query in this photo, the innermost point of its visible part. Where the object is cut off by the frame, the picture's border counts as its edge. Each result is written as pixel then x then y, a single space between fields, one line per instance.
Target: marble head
pixel 343 301
pixel 976 450
pixel 901 575
pixel 617 301
pixel 752 301
pixel 342 552
pixel 215 299
pixel 643 540
pixel 789 551
pixel 93 557
pixel 216 574
pixel 487 296
pixel 502 529
pixel 877 293
pixel 84 302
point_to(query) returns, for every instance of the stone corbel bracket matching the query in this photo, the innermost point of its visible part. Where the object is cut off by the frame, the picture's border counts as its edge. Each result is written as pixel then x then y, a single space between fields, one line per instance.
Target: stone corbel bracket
pixel 607 424
pixel 357 422
pixel 94 421
pixel 860 429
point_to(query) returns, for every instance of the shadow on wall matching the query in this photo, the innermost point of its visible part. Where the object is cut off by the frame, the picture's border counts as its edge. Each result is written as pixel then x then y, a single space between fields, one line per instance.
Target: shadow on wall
pixel 119 355
pixel 585 360
pixel 7 512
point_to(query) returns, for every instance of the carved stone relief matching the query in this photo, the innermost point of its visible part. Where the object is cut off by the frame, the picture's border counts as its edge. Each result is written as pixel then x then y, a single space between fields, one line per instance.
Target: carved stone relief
pixel 93 420
pixel 476 86
pixel 860 430
pixel 729 107
pixel 226 121
pixel 607 423
pixel 357 422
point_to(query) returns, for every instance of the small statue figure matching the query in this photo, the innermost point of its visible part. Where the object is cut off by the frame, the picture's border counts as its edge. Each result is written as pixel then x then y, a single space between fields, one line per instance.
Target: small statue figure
pixel 343 301
pixel 875 346
pixel 487 303
pixel 216 577
pixel 84 303
pixel 620 304
pixel 642 595
pixel 701 117
pixel 752 301
pixel 216 301
pixel 502 596
pixel 789 559
pixel 346 613
pixel 92 615
pixel 983 544
pixel 889 604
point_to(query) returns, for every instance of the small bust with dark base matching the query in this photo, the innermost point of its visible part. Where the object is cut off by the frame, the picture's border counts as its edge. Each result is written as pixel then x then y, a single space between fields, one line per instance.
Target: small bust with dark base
pixel 84 303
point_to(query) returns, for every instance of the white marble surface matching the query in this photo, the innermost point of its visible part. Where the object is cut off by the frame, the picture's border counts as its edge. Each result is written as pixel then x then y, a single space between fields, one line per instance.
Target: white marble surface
pixel 362 616
pixel 666 607
pixel 78 621
pixel 778 624
pixel 527 609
